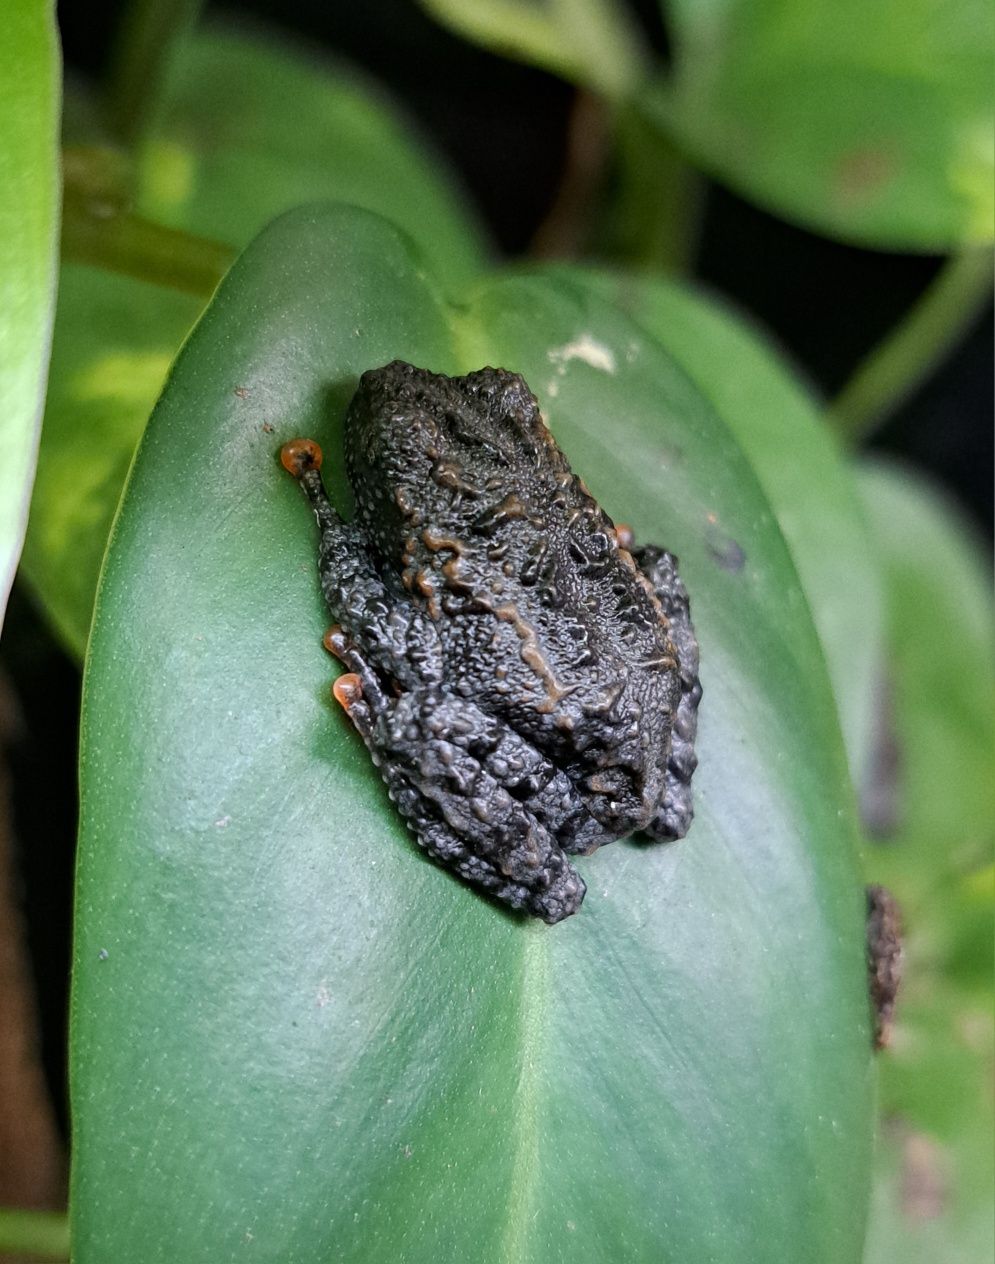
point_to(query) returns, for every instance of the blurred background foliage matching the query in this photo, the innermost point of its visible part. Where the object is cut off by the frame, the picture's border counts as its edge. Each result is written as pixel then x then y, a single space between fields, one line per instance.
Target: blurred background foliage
pixel 811 183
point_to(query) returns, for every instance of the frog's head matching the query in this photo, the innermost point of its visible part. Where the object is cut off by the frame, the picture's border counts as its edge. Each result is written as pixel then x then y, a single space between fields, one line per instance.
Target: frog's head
pixel 421 446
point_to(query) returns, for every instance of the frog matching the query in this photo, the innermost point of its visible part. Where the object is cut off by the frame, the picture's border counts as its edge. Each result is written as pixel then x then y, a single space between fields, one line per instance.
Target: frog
pixel 524 676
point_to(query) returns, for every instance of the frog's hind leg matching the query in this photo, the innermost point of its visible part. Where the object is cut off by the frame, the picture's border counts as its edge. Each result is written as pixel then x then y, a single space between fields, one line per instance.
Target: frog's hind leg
pixel 673 816
pixel 453 772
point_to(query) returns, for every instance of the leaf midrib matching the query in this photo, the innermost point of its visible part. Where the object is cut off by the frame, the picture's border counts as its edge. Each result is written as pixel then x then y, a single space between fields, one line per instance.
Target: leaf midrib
pixel 532 1029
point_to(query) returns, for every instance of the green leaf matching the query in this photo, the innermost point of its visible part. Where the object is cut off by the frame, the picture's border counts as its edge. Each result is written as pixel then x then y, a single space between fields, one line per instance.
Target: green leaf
pixel 868 122
pixel 29 210
pixel 321 1045
pixel 933 1201
pixel 940 683
pixel 935 1168
pixel 112 346
pixel 795 458
pixel 248 129
pixel 590 42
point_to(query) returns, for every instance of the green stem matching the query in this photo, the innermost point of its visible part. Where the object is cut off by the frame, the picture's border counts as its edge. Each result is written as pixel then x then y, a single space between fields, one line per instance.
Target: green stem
pixel 99 228
pixel 147 251
pixel 658 202
pixel 917 346
pixel 42 1235
pixel 147 37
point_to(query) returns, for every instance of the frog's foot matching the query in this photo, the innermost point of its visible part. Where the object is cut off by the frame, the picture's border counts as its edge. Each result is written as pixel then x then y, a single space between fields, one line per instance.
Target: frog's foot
pixel 336 641
pixel 673 816
pixel 552 891
pixel 348 693
pixel 302 458
pixel 300 455
pixel 455 778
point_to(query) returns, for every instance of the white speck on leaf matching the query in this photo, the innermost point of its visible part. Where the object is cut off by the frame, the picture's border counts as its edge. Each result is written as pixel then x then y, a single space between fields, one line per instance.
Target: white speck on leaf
pixel 585 348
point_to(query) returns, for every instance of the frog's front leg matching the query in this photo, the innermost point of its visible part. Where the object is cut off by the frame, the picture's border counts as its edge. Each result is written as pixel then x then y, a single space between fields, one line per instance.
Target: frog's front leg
pixel 454 773
pixel 397 640
pixel 673 816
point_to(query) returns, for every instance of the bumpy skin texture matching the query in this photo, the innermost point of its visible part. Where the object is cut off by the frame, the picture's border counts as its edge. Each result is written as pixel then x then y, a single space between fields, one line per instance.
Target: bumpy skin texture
pixel 527 687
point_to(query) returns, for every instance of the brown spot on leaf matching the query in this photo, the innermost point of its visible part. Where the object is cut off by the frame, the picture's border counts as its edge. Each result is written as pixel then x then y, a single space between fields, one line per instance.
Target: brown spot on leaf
pixel 862 174
pixel 924 1188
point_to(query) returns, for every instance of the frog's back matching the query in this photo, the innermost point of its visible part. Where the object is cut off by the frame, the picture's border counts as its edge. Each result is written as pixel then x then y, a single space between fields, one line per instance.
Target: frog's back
pixel 546 622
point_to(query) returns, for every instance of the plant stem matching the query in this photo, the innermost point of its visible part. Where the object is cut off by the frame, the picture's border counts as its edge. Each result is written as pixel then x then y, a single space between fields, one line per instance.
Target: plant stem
pixel 917 346
pixel 147 37
pixel 147 251
pixel 564 232
pixel 99 228
pixel 657 212
pixel 42 1235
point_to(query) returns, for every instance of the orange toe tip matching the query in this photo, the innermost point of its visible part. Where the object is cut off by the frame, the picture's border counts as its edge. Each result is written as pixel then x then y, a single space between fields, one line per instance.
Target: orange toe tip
pixel 300 455
pixel 347 690
pixel 625 536
pixel 334 640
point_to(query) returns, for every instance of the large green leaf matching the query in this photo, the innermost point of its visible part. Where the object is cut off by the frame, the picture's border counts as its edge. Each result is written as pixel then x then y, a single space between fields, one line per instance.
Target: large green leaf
pixel 935 1165
pixel 29 209
pixel 798 463
pixel 292 1033
pixel 871 122
pixel 247 129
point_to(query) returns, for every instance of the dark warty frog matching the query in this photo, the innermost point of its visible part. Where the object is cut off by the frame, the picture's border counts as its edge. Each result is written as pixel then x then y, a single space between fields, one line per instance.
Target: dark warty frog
pixel 525 679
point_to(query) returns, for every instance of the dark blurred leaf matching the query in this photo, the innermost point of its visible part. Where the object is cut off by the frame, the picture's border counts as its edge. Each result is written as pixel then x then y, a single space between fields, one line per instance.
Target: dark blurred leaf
pixel 29 217
pixel 323 1047
pixel 869 122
